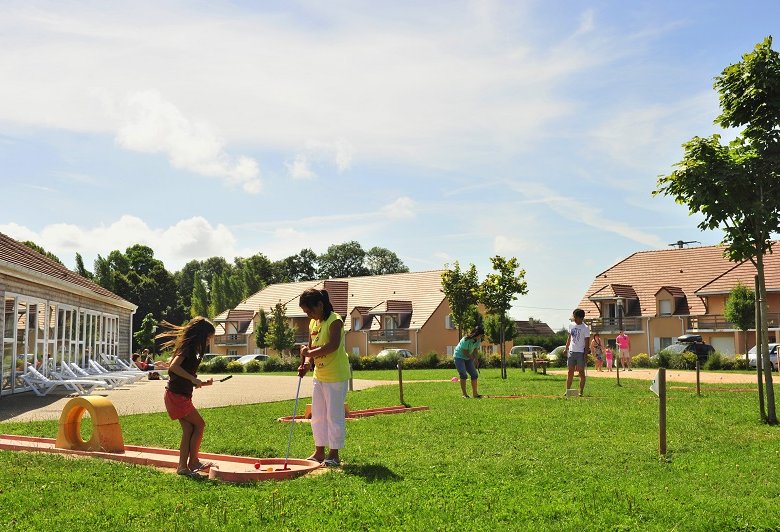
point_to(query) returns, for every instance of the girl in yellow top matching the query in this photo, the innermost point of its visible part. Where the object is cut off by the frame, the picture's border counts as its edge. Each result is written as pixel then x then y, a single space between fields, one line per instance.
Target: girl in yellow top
pixel 331 375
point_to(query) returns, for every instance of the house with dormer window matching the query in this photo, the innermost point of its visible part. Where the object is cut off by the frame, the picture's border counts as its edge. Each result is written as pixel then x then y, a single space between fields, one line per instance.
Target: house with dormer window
pixel 402 310
pixel 656 296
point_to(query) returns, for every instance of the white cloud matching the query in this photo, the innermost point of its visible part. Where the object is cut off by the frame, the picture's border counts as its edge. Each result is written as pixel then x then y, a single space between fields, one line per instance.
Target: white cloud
pixel 509 246
pixel 402 208
pixel 299 168
pixel 194 238
pixel 150 124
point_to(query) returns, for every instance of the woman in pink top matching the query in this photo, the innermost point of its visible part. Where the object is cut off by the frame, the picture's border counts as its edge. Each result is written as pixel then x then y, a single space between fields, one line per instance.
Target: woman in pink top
pixel 624 347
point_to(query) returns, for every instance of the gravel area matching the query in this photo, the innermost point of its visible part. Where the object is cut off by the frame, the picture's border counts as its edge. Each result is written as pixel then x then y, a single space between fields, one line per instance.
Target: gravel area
pixel 147 396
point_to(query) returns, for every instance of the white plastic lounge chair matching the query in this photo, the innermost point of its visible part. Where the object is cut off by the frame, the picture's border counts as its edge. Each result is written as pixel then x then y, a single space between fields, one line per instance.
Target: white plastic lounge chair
pixel 113 362
pixel 137 374
pixel 42 385
pixel 74 371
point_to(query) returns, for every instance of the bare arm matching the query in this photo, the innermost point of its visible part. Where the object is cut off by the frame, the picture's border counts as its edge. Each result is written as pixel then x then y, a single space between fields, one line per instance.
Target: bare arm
pixel 334 340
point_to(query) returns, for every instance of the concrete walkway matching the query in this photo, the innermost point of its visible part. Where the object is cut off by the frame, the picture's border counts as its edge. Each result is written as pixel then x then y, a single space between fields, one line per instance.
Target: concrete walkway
pixel 147 396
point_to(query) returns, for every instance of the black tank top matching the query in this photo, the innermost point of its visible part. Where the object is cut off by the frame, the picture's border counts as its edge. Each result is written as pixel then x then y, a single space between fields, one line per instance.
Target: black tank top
pixel 180 385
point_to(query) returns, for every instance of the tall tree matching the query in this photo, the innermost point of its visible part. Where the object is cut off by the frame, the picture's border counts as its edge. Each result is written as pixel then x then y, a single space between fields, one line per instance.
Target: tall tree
pixel 497 292
pixel 735 187
pixel 218 296
pixel 199 300
pixel 342 260
pixel 461 289
pixel 253 274
pixel 300 267
pixel 261 330
pixel 493 332
pixel 185 283
pixel 280 335
pixel 381 261
pixel 32 245
pixel 741 310
pixel 144 337
pixel 81 270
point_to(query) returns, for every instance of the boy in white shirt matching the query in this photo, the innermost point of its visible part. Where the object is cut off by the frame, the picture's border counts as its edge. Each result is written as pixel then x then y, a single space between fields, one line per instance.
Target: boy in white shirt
pixel 576 346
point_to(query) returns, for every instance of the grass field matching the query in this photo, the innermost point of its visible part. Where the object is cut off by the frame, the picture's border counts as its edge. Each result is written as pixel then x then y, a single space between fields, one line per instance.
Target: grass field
pixel 537 463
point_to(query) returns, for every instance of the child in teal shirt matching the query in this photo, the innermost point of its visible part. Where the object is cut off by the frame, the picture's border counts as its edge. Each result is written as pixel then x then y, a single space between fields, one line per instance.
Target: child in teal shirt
pixel 466 353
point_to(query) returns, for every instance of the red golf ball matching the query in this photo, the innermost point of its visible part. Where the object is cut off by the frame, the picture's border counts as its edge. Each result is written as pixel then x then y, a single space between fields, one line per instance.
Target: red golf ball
pixel 257 465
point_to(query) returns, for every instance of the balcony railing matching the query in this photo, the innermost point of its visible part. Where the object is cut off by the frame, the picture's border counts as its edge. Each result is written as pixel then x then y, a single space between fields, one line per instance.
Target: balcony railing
pixel 389 335
pixel 610 325
pixel 302 338
pixel 716 322
pixel 230 339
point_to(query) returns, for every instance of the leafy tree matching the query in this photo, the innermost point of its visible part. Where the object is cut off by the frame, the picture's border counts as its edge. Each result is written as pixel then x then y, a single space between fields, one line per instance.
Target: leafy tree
pixel 300 267
pixel 493 332
pixel 199 301
pixel 261 330
pixel 343 260
pixel 185 284
pixel 250 275
pixel 381 261
pixel 32 245
pixel 218 296
pixel 81 270
pixel 735 187
pixel 280 335
pixel 460 288
pixel 741 309
pixel 144 337
pixel 497 292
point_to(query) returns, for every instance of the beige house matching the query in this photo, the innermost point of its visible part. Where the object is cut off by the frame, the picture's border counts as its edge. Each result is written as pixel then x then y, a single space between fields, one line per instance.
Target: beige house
pixel 403 310
pixel 53 314
pixel 668 293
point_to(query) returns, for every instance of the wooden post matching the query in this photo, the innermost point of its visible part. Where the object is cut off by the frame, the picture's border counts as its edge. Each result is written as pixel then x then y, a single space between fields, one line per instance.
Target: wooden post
pixel 401 382
pixel 350 378
pixel 662 411
pixel 698 382
pixel 617 367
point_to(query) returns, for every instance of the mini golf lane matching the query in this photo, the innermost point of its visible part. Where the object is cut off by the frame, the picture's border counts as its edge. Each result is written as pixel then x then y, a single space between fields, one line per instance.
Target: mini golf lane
pixel 226 467
pixel 357 414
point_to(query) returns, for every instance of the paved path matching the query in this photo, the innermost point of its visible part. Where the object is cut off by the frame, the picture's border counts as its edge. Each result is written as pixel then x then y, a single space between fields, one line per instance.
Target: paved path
pixel 672 375
pixel 147 396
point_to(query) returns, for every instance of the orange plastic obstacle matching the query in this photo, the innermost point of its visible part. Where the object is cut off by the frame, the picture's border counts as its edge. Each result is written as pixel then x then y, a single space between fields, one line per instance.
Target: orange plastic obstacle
pixel 106 432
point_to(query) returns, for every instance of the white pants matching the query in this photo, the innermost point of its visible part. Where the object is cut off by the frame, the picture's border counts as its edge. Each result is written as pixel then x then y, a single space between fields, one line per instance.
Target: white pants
pixel 328 423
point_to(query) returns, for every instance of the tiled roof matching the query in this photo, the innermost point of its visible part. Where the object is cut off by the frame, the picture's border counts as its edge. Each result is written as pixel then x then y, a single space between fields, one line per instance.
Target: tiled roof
pixel 687 269
pixel 674 291
pixel 611 291
pixel 19 255
pixel 392 306
pixel 238 315
pixel 533 328
pixel 421 289
pixel 744 273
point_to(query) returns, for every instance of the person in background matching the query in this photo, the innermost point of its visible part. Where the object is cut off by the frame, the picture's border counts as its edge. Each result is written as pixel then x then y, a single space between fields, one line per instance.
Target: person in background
pixel 576 346
pixel 597 348
pixel 624 350
pixel 466 354
pixel 608 353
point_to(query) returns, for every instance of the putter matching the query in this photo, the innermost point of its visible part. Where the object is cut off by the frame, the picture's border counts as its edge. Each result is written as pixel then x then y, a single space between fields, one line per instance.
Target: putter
pixel 223 379
pixel 292 424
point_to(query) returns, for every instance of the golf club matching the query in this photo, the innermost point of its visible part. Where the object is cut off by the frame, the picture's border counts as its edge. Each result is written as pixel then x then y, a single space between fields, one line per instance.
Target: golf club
pixel 292 424
pixel 223 379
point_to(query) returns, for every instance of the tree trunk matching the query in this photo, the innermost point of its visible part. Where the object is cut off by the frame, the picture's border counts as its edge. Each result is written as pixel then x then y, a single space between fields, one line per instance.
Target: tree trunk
pixel 503 351
pixel 770 391
pixel 761 408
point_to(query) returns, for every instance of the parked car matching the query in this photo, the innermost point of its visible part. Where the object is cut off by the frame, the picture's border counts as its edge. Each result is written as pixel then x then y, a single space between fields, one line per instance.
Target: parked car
pixel 773 349
pixel 691 343
pixel 209 357
pixel 246 359
pixel 400 353
pixel 528 352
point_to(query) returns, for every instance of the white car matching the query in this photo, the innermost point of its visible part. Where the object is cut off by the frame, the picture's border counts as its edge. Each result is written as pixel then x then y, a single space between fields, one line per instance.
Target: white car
pixel 246 359
pixel 400 353
pixel 773 348
pixel 528 352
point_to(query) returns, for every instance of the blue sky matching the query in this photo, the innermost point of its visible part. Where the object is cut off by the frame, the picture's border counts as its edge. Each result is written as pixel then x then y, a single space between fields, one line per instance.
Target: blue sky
pixel 441 130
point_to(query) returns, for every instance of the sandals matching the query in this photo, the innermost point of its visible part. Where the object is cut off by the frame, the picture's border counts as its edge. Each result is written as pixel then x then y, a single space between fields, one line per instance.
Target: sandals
pixel 203 466
pixel 190 474
pixel 331 462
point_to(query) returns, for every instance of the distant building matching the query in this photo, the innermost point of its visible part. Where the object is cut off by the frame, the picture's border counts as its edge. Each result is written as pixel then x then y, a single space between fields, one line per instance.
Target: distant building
pixel 53 315
pixel 403 310
pixel 668 293
pixel 533 327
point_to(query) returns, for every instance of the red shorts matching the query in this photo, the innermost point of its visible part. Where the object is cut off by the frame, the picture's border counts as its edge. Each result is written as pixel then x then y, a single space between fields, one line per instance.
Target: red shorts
pixel 178 405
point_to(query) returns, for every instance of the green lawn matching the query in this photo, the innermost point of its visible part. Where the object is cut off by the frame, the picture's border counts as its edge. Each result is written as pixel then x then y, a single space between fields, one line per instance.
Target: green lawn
pixel 539 463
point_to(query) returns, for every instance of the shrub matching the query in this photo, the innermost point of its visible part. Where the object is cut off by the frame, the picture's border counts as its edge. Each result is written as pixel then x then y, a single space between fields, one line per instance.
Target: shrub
pixel 234 366
pixel 727 363
pixel 642 360
pixel 411 363
pixel 714 362
pixel 218 365
pixel 255 366
pixel 431 360
pixel 684 360
pixel 740 363
pixel 277 364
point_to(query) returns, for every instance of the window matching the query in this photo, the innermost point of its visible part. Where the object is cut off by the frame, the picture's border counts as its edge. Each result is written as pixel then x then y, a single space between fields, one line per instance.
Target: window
pixel 662 343
pixel 356 351
pixel 357 323
pixel 609 310
pixel 232 352
pixel 448 322
pixel 665 307
pixel 450 350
